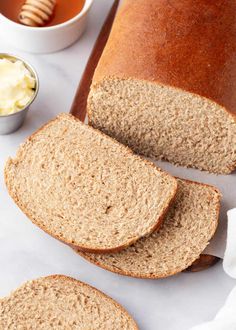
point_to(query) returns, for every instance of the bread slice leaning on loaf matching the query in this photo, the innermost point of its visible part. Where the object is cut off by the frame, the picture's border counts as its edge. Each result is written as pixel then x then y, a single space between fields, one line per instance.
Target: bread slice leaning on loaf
pixel 188 227
pixel 165 84
pixel 85 188
pixel 60 302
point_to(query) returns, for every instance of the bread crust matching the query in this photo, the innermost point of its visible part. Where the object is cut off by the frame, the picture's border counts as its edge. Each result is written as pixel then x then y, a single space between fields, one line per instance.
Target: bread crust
pixel 186 44
pixel 81 247
pixel 204 262
pixel 153 276
pixel 67 278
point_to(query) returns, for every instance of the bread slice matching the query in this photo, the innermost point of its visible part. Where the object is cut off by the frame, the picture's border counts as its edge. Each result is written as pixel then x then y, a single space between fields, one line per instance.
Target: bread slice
pixel 165 84
pixel 86 189
pixel 60 302
pixel 189 225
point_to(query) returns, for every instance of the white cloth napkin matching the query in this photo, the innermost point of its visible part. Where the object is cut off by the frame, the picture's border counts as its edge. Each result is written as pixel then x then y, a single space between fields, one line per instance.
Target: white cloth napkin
pixel 226 317
pixel 229 262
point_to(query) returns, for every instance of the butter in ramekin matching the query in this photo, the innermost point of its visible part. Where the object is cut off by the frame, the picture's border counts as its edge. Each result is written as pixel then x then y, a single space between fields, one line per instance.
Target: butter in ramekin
pixel 17 86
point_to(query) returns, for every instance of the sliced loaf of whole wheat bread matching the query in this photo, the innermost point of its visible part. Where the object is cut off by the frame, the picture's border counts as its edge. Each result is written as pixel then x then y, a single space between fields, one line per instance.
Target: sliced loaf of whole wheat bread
pixel 86 189
pixel 165 84
pixel 189 225
pixel 60 302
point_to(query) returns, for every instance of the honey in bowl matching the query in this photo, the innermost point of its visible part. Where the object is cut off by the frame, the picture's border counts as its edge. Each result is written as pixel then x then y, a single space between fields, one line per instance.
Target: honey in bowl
pixel 64 10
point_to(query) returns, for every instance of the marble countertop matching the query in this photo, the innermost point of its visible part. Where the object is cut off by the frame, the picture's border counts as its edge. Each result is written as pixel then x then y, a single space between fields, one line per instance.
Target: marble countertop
pixel 175 303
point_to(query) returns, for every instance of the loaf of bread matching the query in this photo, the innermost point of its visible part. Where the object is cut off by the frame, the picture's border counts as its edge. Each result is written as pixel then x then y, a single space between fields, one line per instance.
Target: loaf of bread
pixel 189 225
pixel 59 302
pixel 85 188
pixel 165 84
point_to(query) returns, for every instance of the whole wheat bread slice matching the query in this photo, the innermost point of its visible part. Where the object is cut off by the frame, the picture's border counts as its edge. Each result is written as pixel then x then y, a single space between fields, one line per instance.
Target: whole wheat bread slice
pixel 86 189
pixel 189 225
pixel 60 302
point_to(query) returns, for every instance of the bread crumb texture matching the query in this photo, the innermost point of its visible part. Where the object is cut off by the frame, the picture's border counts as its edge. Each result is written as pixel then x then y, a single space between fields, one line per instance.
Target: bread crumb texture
pixel 189 225
pixel 86 189
pixel 60 302
pixel 165 123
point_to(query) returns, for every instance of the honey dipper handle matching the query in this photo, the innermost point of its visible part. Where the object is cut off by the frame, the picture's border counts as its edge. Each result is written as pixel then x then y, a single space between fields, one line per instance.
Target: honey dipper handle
pixel 78 108
pixel 36 12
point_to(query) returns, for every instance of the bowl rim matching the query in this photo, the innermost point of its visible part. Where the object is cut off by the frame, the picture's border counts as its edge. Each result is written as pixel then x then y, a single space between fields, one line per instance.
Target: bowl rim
pixel 32 71
pixel 85 9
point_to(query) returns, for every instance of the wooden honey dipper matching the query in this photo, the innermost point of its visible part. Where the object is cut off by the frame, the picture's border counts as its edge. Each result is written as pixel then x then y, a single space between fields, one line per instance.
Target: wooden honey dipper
pixel 36 12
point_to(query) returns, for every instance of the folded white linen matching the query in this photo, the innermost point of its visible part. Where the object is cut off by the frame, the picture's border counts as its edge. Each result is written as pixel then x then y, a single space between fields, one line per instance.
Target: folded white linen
pixel 226 317
pixel 229 263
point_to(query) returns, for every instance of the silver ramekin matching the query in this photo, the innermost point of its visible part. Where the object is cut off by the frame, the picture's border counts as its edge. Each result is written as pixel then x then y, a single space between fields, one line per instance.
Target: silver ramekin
pixel 10 123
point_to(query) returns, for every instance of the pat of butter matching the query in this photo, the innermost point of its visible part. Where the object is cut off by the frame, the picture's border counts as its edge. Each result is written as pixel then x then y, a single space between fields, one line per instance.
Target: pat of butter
pixel 16 86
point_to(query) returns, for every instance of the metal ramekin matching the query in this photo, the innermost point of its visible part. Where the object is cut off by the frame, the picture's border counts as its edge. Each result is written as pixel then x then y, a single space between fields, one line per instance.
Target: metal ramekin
pixel 10 123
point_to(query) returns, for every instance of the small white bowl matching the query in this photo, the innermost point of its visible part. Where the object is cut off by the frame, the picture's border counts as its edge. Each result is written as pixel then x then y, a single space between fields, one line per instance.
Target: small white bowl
pixel 45 39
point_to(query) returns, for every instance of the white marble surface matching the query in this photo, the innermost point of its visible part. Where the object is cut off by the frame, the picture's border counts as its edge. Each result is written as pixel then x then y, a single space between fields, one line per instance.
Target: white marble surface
pixel 176 303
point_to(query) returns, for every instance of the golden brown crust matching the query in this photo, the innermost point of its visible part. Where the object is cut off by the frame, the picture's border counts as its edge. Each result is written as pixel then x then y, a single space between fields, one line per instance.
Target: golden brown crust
pixel 78 108
pixel 153 276
pixel 187 44
pixel 85 248
pixel 67 278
